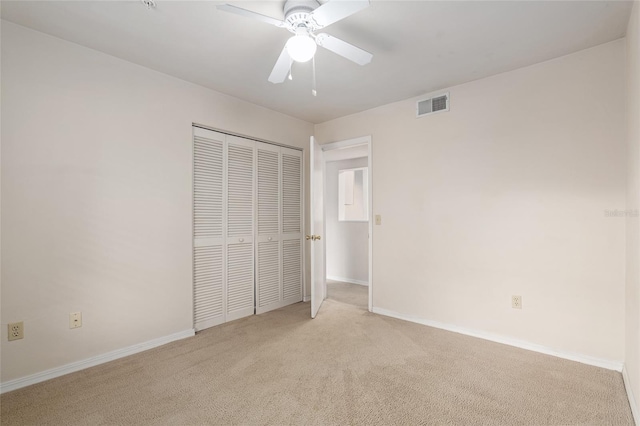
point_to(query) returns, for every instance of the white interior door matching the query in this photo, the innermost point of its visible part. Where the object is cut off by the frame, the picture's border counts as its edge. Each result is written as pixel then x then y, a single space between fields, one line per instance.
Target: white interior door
pixel 279 227
pixel 292 182
pixel 316 239
pixel 268 254
pixel 240 224
pixel 208 228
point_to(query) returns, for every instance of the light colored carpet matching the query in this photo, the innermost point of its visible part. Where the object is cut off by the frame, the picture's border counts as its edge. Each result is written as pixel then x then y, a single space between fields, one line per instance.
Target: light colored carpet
pixel 351 294
pixel 347 366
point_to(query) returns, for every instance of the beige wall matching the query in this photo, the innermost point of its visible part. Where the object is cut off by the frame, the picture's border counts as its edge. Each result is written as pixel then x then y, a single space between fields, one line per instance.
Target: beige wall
pixel 505 195
pixel 96 197
pixel 632 357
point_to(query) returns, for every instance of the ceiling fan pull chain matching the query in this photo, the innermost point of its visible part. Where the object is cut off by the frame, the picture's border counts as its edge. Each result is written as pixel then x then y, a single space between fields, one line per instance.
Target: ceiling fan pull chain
pixel 313 83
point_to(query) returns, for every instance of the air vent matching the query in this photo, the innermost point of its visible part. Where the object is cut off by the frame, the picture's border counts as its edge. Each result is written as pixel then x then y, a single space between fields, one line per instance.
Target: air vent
pixel 438 103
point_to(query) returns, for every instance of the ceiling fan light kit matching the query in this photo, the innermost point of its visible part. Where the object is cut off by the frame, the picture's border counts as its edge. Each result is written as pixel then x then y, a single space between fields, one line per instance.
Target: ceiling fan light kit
pixel 301 47
pixel 303 18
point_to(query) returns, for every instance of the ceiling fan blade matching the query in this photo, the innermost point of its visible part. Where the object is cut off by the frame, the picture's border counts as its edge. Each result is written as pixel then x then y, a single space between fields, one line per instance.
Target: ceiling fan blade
pixel 344 49
pixel 249 14
pixel 335 10
pixel 281 68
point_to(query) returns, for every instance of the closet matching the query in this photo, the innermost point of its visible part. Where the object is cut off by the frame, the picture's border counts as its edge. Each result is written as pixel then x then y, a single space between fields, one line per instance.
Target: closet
pixel 247 227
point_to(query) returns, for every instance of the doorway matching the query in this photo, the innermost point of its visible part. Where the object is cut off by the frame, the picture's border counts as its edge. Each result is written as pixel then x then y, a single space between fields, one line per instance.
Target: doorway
pixel 342 210
pixel 347 226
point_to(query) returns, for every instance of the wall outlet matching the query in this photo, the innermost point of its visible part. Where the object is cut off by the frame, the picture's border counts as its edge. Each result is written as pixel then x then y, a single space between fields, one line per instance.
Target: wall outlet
pixel 378 219
pixel 16 330
pixel 75 319
pixel 516 302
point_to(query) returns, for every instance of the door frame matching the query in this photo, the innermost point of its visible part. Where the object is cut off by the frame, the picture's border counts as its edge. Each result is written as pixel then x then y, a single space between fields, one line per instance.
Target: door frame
pixel 363 140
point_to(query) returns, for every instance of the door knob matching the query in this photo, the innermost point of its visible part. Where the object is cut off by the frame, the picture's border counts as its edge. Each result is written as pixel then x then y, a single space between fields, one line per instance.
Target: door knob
pixel 317 237
pixel 310 237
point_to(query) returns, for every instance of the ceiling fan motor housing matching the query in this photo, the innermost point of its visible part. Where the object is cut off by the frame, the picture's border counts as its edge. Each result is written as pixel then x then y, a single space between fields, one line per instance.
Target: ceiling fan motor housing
pixel 297 12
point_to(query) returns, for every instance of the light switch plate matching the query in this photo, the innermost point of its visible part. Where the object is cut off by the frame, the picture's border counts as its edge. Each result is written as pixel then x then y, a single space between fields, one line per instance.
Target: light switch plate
pixel 378 219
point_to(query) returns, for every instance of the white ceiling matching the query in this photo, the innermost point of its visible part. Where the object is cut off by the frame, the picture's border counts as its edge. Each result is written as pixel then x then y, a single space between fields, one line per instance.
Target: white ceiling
pixel 418 46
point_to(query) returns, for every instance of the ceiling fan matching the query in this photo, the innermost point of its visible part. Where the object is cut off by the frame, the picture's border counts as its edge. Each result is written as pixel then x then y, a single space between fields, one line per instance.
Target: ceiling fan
pixel 303 18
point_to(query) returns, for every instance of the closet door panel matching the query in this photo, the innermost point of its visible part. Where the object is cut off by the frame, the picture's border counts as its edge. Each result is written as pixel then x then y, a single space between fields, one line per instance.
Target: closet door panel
pixel 208 286
pixel 291 192
pixel 240 189
pixel 268 175
pixel 268 272
pixel 291 236
pixel 240 228
pixel 268 276
pixel 292 270
pixel 208 235
pixel 240 288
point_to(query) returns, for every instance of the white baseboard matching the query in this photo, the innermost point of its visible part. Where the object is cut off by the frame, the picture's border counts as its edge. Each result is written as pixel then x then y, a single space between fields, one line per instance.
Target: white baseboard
pixel 307 299
pixel 585 359
pixel 632 401
pixel 90 362
pixel 348 280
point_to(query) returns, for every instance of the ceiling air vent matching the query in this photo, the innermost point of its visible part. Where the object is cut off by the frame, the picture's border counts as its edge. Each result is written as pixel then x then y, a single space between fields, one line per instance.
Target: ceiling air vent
pixel 438 103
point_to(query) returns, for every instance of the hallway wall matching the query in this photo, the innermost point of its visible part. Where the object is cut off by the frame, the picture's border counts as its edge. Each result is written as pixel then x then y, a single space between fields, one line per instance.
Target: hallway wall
pixel 347 242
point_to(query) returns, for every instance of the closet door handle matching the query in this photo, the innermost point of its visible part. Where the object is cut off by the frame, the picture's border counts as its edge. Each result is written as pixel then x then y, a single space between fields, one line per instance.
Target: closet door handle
pixel 241 240
pixel 269 239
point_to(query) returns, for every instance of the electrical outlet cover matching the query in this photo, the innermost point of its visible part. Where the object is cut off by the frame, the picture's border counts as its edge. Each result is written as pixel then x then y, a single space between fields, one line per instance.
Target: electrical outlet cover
pixel 75 319
pixel 516 302
pixel 16 330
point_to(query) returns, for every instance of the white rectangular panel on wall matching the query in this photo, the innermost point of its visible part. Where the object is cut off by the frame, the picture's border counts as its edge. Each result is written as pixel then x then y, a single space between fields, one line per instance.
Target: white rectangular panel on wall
pixel 208 219
pixel 268 273
pixel 291 236
pixel 240 227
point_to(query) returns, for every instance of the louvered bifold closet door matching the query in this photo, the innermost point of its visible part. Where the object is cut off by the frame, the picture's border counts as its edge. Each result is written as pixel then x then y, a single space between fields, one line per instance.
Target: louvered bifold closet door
pixel 268 250
pixel 208 224
pixel 291 235
pixel 240 227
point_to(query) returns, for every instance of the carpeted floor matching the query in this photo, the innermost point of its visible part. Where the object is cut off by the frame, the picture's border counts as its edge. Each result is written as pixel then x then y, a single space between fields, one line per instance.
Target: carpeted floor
pixel 351 294
pixel 347 366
